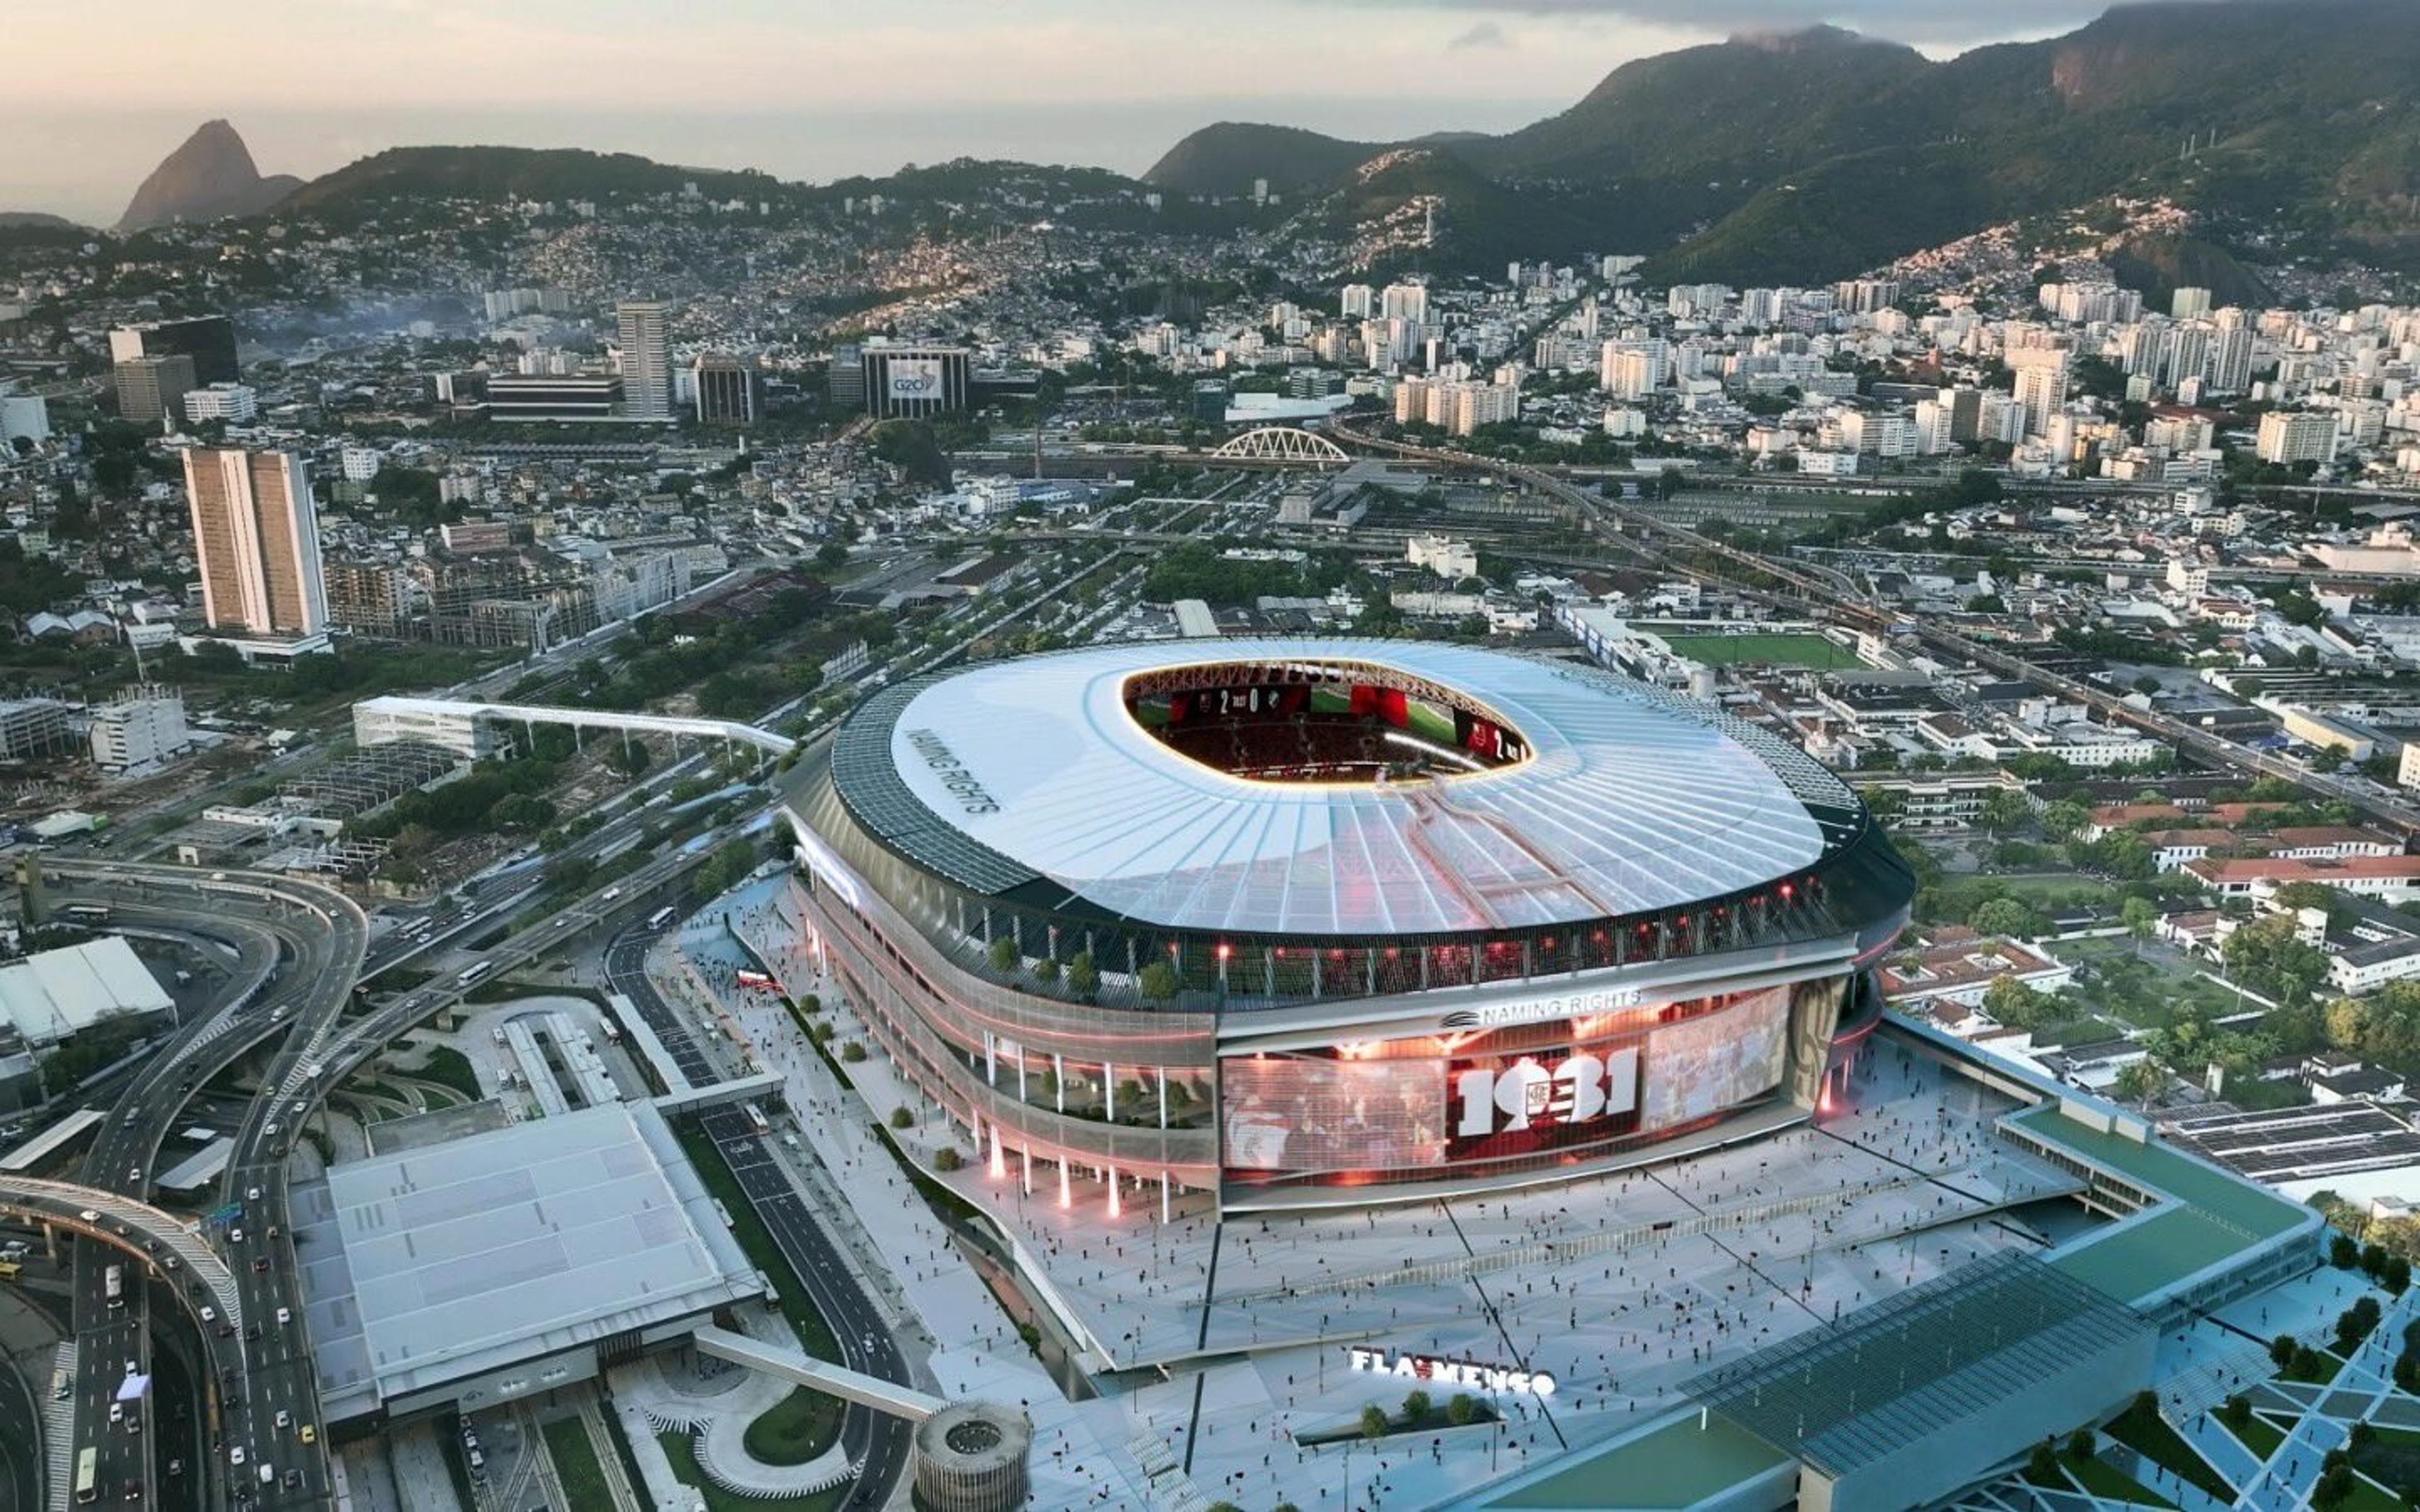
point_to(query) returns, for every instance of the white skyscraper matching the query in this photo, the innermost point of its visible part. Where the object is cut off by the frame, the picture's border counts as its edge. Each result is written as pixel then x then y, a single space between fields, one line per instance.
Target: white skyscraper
pixel 256 534
pixel 1405 301
pixel 647 359
pixel 2041 384
pixel 1359 300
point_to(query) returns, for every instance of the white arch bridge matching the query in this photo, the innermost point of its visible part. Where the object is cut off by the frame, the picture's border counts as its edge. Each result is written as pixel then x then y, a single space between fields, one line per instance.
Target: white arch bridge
pixel 1281 443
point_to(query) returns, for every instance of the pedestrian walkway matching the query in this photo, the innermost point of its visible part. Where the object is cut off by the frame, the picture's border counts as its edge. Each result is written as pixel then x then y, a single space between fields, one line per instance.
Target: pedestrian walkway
pixel 58 1429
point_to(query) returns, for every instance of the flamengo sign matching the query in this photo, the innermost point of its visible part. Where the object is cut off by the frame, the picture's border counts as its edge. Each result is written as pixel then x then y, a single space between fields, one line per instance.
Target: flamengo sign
pixel 1443 1372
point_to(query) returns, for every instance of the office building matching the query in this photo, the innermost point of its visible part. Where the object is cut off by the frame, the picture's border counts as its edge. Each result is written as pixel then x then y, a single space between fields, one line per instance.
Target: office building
pixel 2298 436
pixel 209 340
pixel 232 403
pixel 366 597
pixel 256 536
pixel 910 381
pixel 151 389
pixel 32 728
pixel 521 397
pixel 729 391
pixel 139 728
pixel 647 359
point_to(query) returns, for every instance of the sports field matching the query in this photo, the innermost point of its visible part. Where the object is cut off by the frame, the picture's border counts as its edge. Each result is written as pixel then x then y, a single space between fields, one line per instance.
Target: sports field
pixel 1811 651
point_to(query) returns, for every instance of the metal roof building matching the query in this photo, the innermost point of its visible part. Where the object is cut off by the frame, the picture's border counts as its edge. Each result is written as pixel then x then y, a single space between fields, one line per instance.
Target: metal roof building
pixel 509 1262
pixel 57 994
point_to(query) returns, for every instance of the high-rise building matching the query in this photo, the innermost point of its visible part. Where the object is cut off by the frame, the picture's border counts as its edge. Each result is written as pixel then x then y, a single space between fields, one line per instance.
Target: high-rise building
pixel 2041 384
pixel 256 536
pixel 2230 359
pixel 151 389
pixel 234 402
pixel 729 393
pixel 209 340
pixel 2291 436
pixel 1404 301
pixel 2188 304
pixel 910 381
pixel 647 359
pixel 1357 302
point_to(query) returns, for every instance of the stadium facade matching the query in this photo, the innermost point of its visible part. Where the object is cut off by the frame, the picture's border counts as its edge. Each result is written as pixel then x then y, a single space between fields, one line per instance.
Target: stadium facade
pixel 1305 922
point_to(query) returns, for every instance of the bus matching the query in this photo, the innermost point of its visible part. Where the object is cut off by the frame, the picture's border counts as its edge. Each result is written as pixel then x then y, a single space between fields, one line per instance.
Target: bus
pixel 113 1285
pixel 89 1473
pixel 659 919
pixel 756 1116
pixel 612 1032
pixel 85 912
pixel 748 978
pixel 473 975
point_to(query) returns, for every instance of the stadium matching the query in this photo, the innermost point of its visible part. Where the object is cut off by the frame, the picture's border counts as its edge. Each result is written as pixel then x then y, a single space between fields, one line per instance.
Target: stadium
pixel 1309 922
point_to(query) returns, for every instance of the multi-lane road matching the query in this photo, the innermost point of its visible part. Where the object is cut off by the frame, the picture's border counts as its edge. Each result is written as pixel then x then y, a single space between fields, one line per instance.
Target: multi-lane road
pixel 876 1442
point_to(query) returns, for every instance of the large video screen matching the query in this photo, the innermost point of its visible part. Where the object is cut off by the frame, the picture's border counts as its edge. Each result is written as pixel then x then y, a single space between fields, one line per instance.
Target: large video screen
pixel 1704 1065
pixel 1435 1103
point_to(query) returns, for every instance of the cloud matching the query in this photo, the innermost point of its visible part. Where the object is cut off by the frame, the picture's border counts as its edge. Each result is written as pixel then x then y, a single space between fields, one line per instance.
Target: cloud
pixel 1941 22
pixel 1486 33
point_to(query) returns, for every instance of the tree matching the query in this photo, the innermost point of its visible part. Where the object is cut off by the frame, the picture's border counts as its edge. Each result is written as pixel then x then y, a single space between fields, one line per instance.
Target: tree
pixel 1083 977
pixel 2014 1004
pixel 947 1159
pixel 1462 1409
pixel 2079 1444
pixel 2062 819
pixel 902 1118
pixel 1003 953
pixel 1158 981
pixel 1374 1422
pixel 2008 918
pixel 2142 1080
pixel 2281 1351
pixel 2004 812
pixel 2140 917
pixel 2041 1465
pixel 1416 1407
pixel 2237 1414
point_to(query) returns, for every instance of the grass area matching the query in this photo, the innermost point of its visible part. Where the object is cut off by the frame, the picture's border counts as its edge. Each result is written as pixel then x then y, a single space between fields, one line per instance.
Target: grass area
pixel 449 1067
pixel 576 1464
pixel 2142 1429
pixel 2368 1496
pixel 684 1457
pixel 2086 1031
pixel 2328 1363
pixel 2392 1457
pixel 2259 1435
pixel 1811 651
pixel 814 1335
pixel 2111 1484
pixel 794 1429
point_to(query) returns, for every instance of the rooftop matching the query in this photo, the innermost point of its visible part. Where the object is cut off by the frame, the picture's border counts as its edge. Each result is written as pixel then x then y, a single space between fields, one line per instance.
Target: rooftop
pixel 54 994
pixel 468 1257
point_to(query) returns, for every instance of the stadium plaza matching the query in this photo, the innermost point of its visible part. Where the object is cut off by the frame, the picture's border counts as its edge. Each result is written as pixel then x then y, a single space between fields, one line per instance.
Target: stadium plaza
pixel 1881 1182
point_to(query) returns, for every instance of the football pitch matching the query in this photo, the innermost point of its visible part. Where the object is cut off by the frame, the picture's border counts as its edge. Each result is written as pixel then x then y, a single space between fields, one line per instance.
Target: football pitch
pixel 1811 651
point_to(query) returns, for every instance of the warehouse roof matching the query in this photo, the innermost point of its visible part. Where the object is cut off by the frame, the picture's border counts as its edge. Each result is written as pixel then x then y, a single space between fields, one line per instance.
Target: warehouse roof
pixel 58 993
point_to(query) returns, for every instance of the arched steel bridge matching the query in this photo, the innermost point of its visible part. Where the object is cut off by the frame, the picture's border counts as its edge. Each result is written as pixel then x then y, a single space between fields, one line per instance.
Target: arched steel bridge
pixel 1281 443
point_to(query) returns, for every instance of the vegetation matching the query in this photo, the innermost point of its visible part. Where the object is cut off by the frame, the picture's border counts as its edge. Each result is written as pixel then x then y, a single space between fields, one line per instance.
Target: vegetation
pixel 794 1429
pixel 576 1463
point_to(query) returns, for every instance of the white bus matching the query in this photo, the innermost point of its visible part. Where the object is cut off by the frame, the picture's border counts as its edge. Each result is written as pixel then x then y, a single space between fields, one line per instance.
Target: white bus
pixel 113 1285
pixel 473 975
pixel 659 919
pixel 756 1116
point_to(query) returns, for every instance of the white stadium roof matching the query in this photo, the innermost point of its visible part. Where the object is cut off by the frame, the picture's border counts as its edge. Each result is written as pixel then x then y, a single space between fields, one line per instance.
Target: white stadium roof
pixel 1633 799
pixel 59 993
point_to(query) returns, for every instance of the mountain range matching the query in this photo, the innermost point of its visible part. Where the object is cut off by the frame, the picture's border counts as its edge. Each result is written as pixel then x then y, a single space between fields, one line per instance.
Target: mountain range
pixel 1820 153
pixel 2292 126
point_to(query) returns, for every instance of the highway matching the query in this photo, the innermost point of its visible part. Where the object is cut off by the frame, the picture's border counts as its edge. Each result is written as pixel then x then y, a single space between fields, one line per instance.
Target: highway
pixel 876 1442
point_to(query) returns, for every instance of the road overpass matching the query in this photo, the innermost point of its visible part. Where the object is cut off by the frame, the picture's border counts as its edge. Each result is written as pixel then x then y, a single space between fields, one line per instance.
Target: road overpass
pixel 457 723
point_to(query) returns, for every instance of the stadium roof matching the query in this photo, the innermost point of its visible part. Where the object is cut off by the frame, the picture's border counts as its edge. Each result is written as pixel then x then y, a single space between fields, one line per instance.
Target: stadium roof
pixel 504 1247
pixel 1633 798
pixel 58 993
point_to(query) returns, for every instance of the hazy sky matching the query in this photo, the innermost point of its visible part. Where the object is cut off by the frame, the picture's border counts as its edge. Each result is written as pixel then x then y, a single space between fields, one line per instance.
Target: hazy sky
pixel 817 88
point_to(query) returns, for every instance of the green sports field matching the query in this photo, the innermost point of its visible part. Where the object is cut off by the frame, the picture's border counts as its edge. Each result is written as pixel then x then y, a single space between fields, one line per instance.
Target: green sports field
pixel 1811 651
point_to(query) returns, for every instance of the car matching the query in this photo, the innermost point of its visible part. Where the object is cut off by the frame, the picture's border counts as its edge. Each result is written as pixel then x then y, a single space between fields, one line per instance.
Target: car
pixel 285 1418
pixel 260 1265
pixel 235 1235
pixel 298 1107
pixel 89 1216
pixel 273 1230
pixel 293 1479
pixel 175 1467
pixel 210 1315
pixel 285 1315
pixel 307 1434
pixel 172 1262
pixel 134 1176
pixel 252 1332
pixel 133 1368
pixel 268 1473
pixel 118 1411
pixel 251 1193
pixel 272 1130
pixel 235 1456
